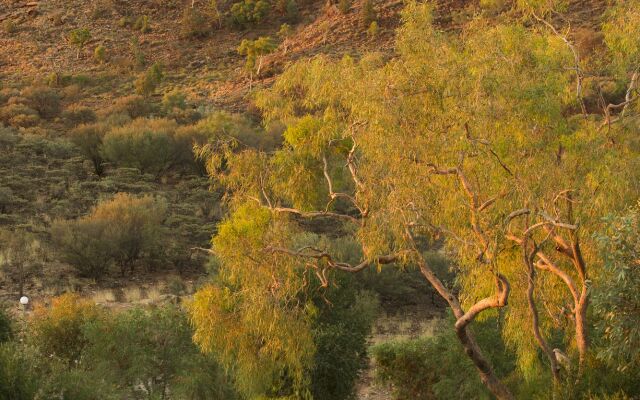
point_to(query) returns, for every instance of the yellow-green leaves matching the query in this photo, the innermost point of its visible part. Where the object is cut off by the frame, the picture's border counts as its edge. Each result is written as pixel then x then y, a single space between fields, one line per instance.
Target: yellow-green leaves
pixel 622 35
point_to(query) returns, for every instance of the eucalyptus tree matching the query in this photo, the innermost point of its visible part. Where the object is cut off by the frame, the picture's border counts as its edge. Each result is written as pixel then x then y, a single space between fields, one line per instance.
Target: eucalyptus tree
pixel 463 138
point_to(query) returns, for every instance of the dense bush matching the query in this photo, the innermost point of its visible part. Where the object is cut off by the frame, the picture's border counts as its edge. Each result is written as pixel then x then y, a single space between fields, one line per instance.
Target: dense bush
pixel 249 12
pixel 146 144
pixel 134 106
pixel 44 100
pixel 617 299
pixel 147 83
pixel 77 114
pixel 430 367
pixel 151 353
pixel 124 230
pixel 59 330
pixel 19 115
pixel 340 335
pixel 100 54
pixel 18 380
pixel 88 138
pixel 82 244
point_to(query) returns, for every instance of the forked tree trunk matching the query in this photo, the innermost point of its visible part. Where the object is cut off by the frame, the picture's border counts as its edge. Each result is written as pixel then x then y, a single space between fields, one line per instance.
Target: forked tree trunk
pixel 533 311
pixel 467 339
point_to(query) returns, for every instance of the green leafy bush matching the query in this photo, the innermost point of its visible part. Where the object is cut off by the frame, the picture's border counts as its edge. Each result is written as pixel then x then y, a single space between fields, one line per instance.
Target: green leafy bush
pixel 79 37
pixel 249 12
pixel 427 368
pixel 88 138
pixel 142 346
pixel 82 243
pixel 255 50
pixel 133 106
pixel 142 24
pixel 617 298
pixel 99 54
pixel 18 377
pixel 77 114
pixel 146 144
pixel 147 83
pixel 174 99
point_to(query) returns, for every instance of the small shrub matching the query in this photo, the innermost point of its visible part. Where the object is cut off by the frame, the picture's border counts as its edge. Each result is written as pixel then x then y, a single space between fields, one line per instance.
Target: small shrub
pixel 147 83
pixel 124 22
pixel 194 23
pixel 134 106
pixel 102 9
pixel 53 79
pixel 142 24
pixel 19 115
pixel 493 6
pixel 367 14
pixel 44 100
pixel 137 54
pixel 176 286
pixel 9 27
pixel 99 54
pixel 345 6
pixel 79 37
pixel 373 30
pixel 249 12
pixel 255 50
pixel 285 31
pixel 174 99
pixel 76 114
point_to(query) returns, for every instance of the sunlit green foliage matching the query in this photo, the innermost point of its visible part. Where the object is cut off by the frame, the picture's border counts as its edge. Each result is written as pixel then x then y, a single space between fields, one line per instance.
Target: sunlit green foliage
pixel 150 353
pixel 146 144
pixel 254 50
pixel 249 12
pixel 442 144
pixel 617 299
pixel 147 83
pixel 79 37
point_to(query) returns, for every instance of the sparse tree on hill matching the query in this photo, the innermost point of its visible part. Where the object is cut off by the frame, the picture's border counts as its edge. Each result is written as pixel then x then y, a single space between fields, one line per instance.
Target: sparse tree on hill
pixel 79 37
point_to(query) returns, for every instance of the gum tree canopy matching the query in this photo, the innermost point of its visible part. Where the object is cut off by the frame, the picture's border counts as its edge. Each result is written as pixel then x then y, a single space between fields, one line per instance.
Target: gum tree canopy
pixel 473 143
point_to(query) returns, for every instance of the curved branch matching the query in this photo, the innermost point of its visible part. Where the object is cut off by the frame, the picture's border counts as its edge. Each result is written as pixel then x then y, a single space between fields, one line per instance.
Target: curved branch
pixel 496 301
pixel 318 254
